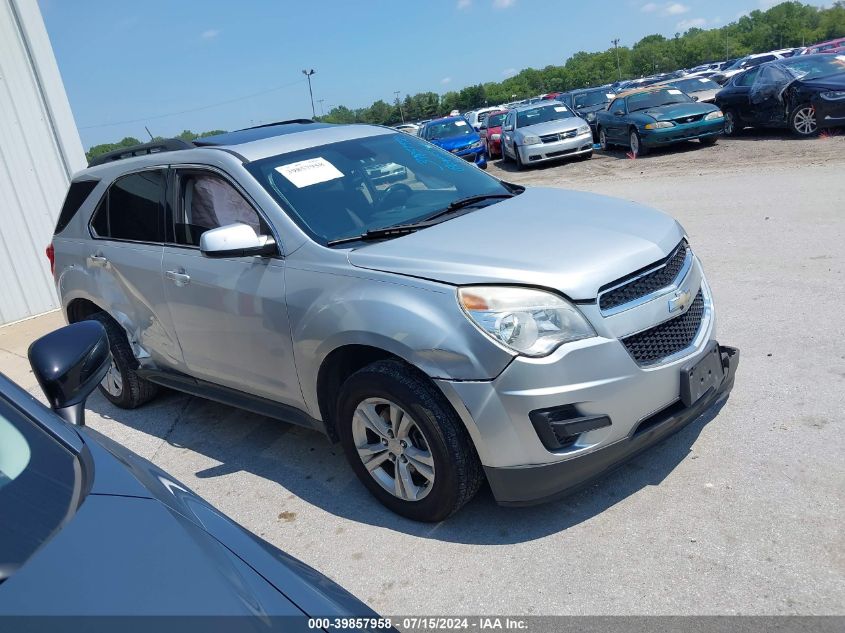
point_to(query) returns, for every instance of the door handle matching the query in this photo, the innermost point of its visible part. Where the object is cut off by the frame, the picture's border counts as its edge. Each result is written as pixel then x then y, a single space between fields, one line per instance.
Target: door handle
pixel 178 277
pixel 97 260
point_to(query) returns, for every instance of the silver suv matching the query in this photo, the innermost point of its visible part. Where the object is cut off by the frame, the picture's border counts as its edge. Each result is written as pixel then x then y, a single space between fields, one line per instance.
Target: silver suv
pixel 446 327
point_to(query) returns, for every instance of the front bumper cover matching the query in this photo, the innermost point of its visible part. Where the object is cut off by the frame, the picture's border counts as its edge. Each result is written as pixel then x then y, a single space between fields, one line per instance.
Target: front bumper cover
pixel 529 485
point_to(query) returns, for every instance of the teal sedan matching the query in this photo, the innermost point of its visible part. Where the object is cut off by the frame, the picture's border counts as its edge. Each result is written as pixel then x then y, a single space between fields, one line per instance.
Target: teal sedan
pixel 657 116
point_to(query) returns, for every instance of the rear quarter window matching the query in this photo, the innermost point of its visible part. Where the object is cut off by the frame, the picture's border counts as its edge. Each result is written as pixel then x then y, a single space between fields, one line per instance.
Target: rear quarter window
pixel 77 194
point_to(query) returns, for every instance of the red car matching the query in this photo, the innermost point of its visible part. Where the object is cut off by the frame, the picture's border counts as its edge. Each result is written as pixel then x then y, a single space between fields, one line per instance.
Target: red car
pixel 833 46
pixel 491 132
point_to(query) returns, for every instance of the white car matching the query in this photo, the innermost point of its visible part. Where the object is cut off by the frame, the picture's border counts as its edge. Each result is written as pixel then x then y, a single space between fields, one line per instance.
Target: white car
pixel 744 64
pixel 475 117
pixel 409 128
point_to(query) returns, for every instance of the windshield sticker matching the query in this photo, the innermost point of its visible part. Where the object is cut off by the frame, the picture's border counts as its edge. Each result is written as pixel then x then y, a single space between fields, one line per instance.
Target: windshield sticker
pixel 460 123
pixel 674 92
pixel 560 108
pixel 609 95
pixel 310 172
pixel 704 81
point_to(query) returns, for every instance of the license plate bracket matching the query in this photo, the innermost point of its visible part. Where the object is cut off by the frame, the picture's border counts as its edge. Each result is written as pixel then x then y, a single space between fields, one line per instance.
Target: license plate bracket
pixel 700 377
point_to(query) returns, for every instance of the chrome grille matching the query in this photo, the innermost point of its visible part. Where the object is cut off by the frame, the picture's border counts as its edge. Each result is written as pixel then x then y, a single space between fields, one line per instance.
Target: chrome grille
pixel 642 285
pixel 670 337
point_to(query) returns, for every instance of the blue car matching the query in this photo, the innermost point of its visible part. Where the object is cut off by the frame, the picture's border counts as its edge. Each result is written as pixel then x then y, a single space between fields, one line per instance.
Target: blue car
pixel 455 135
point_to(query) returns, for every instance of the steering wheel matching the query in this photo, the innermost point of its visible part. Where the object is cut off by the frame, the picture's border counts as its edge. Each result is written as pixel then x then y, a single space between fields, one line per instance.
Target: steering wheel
pixel 394 195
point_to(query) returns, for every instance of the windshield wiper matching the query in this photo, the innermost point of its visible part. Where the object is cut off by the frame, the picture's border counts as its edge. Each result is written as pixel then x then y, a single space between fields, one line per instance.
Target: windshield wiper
pixel 403 229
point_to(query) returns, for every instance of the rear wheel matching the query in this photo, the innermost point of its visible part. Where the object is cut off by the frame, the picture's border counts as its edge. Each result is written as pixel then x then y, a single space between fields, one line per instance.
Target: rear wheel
pixel 802 121
pixel 637 147
pixel 708 140
pixel 405 442
pixel 505 157
pixel 122 385
pixel 733 126
pixel 603 140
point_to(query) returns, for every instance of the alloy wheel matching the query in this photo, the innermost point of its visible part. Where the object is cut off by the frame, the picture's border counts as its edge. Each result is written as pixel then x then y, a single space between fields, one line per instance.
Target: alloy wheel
pixel 730 124
pixel 603 139
pixel 393 449
pixel 804 120
pixel 635 144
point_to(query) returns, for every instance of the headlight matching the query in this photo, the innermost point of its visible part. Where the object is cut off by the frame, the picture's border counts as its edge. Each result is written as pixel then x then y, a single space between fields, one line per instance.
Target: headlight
pixel 584 129
pixel 530 322
pixel 717 114
pixel 495 137
pixel 659 125
pixel 833 95
pixel 530 140
pixel 476 145
pixel 590 116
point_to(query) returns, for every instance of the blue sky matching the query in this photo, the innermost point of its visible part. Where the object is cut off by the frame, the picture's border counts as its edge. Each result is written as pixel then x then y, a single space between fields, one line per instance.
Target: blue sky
pixel 189 64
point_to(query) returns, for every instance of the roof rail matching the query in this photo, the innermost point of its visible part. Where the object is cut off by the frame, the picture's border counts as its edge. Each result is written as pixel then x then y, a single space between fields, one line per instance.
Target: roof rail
pixel 164 145
pixel 256 127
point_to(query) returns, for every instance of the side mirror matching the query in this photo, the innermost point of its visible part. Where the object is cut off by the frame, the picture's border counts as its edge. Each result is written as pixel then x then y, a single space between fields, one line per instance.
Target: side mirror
pixel 507 128
pixel 69 363
pixel 236 240
pixel 694 98
pixel 619 113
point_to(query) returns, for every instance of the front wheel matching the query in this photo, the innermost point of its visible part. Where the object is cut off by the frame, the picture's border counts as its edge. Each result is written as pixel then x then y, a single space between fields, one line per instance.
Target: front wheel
pixel 802 121
pixel 637 147
pixel 708 141
pixel 732 123
pixel 405 442
pixel 517 158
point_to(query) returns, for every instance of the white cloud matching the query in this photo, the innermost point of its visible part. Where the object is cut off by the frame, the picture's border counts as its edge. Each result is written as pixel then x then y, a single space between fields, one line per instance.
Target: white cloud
pixel 649 7
pixel 446 80
pixel 210 34
pixel 509 72
pixel 503 4
pixel 675 8
pixel 768 4
pixel 464 4
pixel 683 25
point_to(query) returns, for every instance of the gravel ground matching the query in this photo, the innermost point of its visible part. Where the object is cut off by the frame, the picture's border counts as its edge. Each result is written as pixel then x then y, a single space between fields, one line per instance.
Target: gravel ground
pixel 741 512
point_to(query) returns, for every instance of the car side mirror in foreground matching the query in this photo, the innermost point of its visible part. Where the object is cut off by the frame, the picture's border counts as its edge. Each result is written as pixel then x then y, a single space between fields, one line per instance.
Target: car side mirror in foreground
pixel 619 112
pixel 694 98
pixel 236 240
pixel 69 363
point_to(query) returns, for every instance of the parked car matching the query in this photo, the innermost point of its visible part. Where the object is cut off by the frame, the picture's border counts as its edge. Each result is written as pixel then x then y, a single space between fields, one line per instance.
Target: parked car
pixel 749 61
pixel 830 47
pixel 456 135
pixel 476 117
pixel 700 89
pixel 91 529
pixel 803 93
pixel 543 132
pixel 408 128
pixel 491 132
pixel 656 117
pixel 586 103
pixel 445 329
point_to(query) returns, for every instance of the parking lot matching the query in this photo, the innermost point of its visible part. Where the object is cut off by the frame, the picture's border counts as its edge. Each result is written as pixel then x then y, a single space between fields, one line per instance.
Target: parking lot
pixel 740 513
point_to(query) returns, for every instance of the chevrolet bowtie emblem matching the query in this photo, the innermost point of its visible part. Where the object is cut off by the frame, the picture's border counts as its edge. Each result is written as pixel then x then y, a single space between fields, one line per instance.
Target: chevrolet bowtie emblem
pixel 679 301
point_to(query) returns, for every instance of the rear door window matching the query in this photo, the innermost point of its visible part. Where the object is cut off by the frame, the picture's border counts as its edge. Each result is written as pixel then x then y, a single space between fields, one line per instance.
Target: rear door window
pixel 133 208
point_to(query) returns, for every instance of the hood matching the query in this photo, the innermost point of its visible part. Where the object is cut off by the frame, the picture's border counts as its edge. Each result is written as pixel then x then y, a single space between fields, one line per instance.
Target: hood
pixel 552 127
pixel 457 142
pixel 677 110
pixel 831 82
pixel 570 241
pixel 120 473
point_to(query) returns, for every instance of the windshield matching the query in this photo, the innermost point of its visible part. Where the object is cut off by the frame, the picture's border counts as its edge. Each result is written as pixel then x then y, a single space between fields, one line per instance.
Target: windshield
pixel 696 85
pixel 345 189
pixel 647 100
pixel 496 120
pixel 812 67
pixel 38 487
pixel 592 98
pixel 448 129
pixel 542 114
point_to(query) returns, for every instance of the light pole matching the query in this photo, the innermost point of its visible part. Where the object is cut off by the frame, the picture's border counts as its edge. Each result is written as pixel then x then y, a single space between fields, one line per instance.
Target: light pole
pixel 399 103
pixel 616 48
pixel 308 74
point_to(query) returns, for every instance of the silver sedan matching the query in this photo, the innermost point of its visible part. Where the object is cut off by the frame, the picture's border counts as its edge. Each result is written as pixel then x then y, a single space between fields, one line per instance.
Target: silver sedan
pixel 541 132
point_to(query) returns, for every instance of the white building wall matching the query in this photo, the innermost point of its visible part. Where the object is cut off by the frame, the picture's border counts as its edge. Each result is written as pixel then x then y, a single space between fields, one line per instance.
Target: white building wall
pixel 39 152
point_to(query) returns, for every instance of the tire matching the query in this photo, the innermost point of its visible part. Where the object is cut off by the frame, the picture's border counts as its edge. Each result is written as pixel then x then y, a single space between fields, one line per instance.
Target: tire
pixel 427 421
pixel 733 124
pixel 122 386
pixel 519 164
pixel 802 121
pixel 484 166
pixel 708 141
pixel 605 146
pixel 504 153
pixel 637 147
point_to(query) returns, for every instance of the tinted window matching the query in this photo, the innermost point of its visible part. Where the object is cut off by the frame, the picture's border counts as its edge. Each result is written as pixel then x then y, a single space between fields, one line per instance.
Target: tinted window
pixel 747 78
pixel 37 481
pixel 496 120
pixel 810 67
pixel 542 114
pixel 592 98
pixel 133 208
pixel 646 100
pixel 207 202
pixel 76 195
pixel 616 105
pixel 343 189
pixel 448 129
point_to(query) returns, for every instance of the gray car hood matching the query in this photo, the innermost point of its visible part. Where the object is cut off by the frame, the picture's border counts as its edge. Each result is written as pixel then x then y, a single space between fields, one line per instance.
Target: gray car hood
pixel 571 241
pixel 553 127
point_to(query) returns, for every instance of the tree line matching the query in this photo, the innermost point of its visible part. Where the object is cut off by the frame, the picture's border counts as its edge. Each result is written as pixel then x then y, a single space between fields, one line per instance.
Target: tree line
pixel 129 141
pixel 785 25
